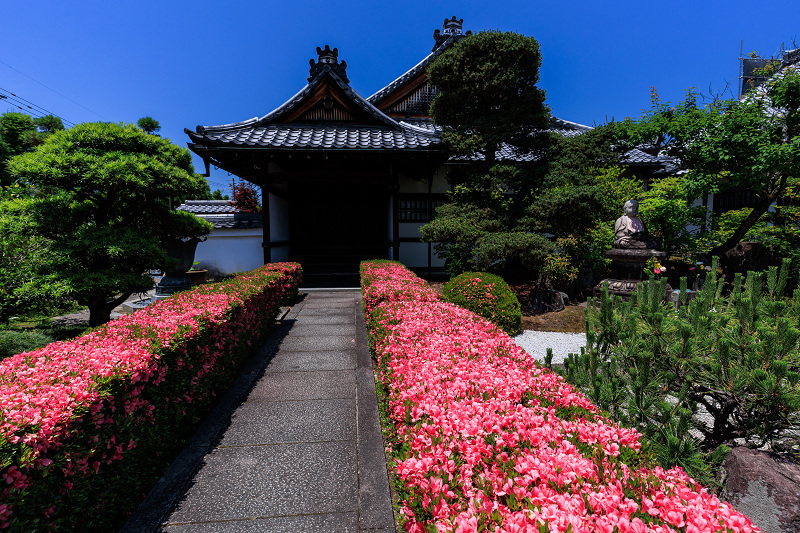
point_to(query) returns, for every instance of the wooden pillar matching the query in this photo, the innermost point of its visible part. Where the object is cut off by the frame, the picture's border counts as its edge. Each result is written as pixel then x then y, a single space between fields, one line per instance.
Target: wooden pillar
pixel 266 242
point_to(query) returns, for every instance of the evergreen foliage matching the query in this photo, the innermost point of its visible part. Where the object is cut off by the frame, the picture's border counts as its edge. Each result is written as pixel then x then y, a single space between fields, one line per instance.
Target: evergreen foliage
pixel 101 208
pixel 20 133
pixel 486 295
pixel 719 371
pixel 500 208
pixel 488 94
pixel 488 99
pixel 13 342
pixel 149 125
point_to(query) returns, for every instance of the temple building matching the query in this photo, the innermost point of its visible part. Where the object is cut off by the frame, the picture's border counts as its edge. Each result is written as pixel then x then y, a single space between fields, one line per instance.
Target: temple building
pixel 346 178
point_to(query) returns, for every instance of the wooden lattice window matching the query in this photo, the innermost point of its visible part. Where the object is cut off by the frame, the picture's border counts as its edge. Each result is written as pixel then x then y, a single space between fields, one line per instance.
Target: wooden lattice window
pixel 415 208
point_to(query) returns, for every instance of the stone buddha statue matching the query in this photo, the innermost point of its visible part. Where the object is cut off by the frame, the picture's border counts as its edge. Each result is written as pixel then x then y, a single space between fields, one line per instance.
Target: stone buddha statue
pixel 629 230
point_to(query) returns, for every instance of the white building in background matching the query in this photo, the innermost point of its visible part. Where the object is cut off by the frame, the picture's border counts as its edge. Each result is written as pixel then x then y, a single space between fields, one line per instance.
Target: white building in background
pixel 234 245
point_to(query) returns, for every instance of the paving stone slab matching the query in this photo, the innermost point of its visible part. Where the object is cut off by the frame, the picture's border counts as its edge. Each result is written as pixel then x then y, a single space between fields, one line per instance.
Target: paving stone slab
pixel 316 344
pixel 328 319
pixel 312 361
pixel 331 294
pixel 330 303
pixel 304 386
pixel 304 329
pixel 325 523
pixel 327 311
pixel 259 423
pixel 271 481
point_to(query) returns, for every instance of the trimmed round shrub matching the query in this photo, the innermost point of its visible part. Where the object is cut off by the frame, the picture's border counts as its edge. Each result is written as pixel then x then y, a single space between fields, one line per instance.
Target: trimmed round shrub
pixel 13 342
pixel 486 295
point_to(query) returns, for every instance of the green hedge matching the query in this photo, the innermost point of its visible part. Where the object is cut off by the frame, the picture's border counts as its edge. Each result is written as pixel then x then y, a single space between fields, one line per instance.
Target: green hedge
pixel 87 426
pixel 488 296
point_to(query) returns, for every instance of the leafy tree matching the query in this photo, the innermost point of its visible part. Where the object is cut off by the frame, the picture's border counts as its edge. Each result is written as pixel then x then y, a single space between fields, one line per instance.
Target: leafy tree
pixel 245 197
pixel 217 195
pixel 20 133
pixel 149 125
pixel 752 144
pixel 102 208
pixel 488 100
pixel 23 253
pixel 49 123
pixel 671 216
pixel 17 131
pixel 488 94
pixel 520 181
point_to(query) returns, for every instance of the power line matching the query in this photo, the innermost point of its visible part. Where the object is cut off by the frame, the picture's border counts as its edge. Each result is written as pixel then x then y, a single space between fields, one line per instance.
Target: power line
pixel 50 89
pixel 28 106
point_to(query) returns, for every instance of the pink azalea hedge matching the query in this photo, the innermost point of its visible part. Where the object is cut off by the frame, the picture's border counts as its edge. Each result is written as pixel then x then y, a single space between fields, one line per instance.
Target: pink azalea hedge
pixel 488 440
pixel 86 425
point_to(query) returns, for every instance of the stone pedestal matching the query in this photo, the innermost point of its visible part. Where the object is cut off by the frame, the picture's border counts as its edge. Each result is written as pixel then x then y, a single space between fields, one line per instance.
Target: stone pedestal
pixel 627 270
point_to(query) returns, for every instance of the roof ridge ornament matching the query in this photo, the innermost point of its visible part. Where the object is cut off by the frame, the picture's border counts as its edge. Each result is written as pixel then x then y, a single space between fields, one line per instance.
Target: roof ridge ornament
pixel 451 29
pixel 328 62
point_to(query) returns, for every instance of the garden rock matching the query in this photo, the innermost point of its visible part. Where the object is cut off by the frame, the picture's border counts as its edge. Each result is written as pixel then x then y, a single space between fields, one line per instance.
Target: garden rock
pixel 765 486
pixel 545 301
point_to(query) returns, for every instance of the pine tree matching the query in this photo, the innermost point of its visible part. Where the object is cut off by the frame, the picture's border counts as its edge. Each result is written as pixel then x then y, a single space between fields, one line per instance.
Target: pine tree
pixel 718 371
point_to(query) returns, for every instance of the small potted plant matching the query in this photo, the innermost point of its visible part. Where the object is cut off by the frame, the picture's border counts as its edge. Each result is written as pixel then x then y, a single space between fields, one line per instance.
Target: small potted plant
pixel 197 274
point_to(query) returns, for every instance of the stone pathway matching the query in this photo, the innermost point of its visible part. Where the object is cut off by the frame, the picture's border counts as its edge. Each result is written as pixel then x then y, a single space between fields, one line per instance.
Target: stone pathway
pixel 295 445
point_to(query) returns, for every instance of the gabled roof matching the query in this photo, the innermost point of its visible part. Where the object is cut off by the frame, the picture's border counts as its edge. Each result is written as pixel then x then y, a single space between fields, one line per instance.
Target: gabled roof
pixel 325 114
pixel 410 93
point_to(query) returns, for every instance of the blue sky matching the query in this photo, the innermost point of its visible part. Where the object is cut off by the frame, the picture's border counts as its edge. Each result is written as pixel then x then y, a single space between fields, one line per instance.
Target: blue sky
pixel 203 62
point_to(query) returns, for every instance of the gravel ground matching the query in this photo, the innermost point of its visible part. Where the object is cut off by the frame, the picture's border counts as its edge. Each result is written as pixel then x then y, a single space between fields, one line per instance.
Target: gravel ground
pixel 536 343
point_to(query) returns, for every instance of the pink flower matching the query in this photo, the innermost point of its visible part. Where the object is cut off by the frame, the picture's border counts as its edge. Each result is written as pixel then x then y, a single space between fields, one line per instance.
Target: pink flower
pixel 480 438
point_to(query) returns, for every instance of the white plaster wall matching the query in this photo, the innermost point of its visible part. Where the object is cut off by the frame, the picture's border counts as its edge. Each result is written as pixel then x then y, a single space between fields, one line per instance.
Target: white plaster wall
pixel 231 250
pixel 440 184
pixel 409 229
pixel 415 254
pixel 410 185
pixel 278 218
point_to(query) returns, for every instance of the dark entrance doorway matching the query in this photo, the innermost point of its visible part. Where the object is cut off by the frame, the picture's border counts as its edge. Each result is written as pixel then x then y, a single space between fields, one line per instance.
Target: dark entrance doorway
pixel 335 226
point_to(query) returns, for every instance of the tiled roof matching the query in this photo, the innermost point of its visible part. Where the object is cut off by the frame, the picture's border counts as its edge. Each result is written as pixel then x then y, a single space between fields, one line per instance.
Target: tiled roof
pixel 664 163
pixel 405 77
pixel 506 152
pixel 290 105
pixel 221 214
pixel 269 132
pixel 202 207
pixel 294 101
pixel 416 69
pixel 236 221
pixel 564 127
pixel 325 136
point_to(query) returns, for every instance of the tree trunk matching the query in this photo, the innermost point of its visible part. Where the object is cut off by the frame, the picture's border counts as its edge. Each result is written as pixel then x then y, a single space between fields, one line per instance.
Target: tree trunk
pixel 100 309
pixel 759 209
